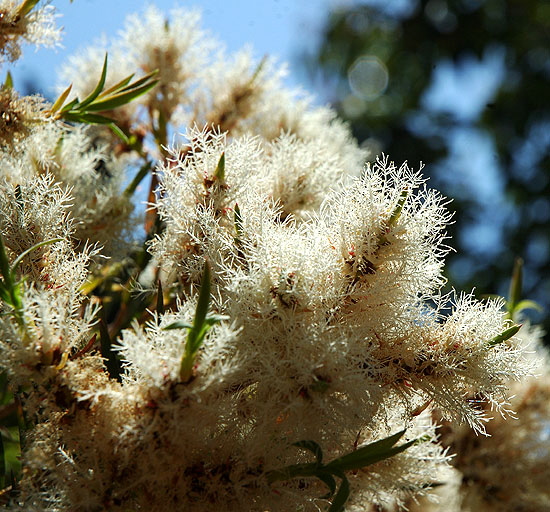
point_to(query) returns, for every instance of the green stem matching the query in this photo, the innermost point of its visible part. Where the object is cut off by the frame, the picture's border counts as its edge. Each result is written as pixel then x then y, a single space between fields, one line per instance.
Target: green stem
pixel 138 178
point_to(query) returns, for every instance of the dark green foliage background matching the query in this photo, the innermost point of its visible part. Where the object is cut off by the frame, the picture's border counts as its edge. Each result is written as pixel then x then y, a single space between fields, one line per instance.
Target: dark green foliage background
pixel 412 42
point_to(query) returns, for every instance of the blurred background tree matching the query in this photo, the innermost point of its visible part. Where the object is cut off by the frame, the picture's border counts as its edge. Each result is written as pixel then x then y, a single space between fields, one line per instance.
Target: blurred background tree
pixel 464 86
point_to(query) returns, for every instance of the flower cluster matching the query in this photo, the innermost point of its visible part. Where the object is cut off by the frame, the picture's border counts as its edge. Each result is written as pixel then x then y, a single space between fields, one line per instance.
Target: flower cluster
pixel 24 21
pixel 277 332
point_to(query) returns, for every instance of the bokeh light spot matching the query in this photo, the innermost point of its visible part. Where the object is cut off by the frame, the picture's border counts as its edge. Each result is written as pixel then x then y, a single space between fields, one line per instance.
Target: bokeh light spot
pixel 368 77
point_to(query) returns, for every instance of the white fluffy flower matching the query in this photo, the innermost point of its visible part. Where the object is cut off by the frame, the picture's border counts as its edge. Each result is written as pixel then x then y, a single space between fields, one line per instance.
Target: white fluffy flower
pixel 300 305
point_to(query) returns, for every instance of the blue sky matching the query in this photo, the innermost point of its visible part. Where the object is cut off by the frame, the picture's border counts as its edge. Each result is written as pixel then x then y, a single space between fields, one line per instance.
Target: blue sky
pixel 285 29
pixel 275 27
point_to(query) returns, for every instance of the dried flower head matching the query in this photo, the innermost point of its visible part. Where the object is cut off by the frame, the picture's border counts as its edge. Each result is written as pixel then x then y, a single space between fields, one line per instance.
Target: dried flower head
pixel 20 20
pixel 18 116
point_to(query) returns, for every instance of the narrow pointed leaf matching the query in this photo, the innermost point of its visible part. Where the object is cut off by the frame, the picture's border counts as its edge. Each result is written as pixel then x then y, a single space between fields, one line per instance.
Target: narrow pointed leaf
pixel 17 297
pixel 117 87
pixel 5 262
pixel 368 458
pixel 204 298
pixel 62 97
pixel 330 482
pixel 219 173
pixel 339 501
pixel 504 335
pixel 177 325
pixel 98 88
pixel 370 454
pixel 144 170
pixel 68 107
pixel 201 325
pixel 516 284
pixel 522 305
pixel 194 342
pixel 160 130
pixel 160 299
pixel 26 7
pixel 294 471
pixel 211 320
pixel 80 117
pixel 4 294
pixel 394 217
pixel 119 133
pixel 258 70
pixel 140 81
pixel 117 100
pixel 19 258
pixel 8 83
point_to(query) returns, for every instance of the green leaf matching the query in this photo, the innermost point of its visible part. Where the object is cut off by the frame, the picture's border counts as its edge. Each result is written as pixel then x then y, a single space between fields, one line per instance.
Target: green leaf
pixel 98 88
pixel 69 106
pixel 81 117
pixel 295 471
pixel 204 297
pixel 160 130
pixel 339 501
pixel 371 453
pixel 17 298
pixel 117 86
pixel 504 335
pixel 160 299
pixel 119 133
pixel 214 319
pixel 516 284
pixel 394 217
pixel 62 97
pixel 5 262
pixel 8 82
pixel 140 81
pixel 522 305
pixel 26 7
pixel 258 70
pixel 143 171
pixel 201 325
pixel 19 258
pixel 177 325
pixel 313 447
pixel 195 338
pixel 219 173
pixel 329 481
pixel 365 456
pixel 117 100
pixel 100 100
pixel 4 294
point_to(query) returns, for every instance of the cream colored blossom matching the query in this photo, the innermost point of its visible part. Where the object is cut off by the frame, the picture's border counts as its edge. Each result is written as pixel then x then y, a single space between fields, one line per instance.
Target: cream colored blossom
pixel 91 174
pixel 301 301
